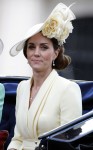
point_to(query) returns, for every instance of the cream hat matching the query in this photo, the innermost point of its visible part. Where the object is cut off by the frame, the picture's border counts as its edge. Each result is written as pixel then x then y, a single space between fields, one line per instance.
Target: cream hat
pixel 58 25
pixel 1 46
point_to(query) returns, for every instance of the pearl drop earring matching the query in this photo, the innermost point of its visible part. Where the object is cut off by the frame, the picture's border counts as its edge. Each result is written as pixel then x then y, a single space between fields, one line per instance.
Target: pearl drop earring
pixel 53 63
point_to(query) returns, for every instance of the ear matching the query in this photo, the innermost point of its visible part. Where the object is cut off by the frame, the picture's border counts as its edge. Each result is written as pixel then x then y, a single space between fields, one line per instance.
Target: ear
pixel 56 53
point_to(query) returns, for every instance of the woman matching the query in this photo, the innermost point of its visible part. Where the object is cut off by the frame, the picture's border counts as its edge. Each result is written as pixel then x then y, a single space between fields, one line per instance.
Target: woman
pixel 46 100
pixel 2 90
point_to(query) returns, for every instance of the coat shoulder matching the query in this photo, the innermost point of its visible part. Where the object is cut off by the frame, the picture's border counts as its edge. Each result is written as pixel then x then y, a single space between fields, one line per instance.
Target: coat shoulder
pixel 61 81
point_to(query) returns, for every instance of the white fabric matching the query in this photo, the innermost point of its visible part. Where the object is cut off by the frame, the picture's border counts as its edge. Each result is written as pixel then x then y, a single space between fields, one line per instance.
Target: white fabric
pixel 29 144
pixel 57 102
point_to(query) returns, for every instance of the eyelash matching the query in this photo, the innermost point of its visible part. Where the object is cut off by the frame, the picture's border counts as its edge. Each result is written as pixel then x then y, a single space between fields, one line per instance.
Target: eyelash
pixel 30 47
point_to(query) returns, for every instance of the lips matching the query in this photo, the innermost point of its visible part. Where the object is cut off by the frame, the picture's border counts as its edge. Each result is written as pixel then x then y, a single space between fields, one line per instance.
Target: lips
pixel 35 60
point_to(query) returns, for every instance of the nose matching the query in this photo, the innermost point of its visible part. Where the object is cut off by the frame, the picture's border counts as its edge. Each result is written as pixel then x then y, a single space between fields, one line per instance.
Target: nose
pixel 37 51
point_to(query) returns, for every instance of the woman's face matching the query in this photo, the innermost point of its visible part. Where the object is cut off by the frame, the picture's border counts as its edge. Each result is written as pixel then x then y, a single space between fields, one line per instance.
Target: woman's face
pixel 40 53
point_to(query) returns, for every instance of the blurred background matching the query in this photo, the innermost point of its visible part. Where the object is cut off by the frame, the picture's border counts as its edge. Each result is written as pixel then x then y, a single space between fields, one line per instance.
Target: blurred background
pixel 17 16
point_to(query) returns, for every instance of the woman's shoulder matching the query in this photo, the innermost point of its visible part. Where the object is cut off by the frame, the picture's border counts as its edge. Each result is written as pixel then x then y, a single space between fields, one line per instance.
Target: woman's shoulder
pixel 67 85
pixel 63 81
pixel 24 82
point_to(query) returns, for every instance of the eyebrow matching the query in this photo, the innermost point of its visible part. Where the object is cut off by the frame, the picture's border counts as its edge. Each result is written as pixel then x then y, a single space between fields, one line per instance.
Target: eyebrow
pixel 34 43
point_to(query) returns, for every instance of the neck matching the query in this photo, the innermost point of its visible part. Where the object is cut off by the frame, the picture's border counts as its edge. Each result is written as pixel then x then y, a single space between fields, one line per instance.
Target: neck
pixel 39 78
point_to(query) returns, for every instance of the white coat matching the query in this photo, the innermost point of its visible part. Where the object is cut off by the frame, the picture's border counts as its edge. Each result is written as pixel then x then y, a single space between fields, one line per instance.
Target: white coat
pixel 57 102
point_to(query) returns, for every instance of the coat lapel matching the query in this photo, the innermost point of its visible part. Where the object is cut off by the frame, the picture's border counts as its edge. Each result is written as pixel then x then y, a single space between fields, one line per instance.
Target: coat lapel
pixel 39 102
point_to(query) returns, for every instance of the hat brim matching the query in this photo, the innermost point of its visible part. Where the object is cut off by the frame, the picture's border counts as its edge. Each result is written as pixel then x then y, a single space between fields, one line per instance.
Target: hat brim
pixel 20 45
pixel 65 13
pixel 1 46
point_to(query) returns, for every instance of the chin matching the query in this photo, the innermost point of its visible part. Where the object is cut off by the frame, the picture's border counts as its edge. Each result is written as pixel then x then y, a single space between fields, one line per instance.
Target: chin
pixel 37 69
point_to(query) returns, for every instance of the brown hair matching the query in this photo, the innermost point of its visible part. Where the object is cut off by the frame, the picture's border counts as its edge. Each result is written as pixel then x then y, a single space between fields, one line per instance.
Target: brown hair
pixel 62 60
